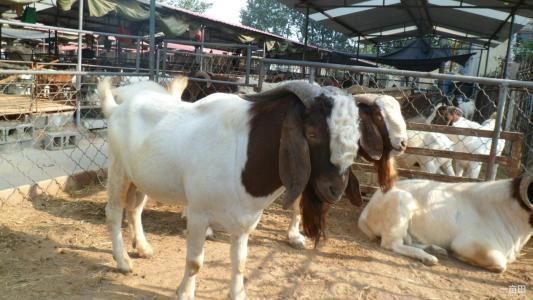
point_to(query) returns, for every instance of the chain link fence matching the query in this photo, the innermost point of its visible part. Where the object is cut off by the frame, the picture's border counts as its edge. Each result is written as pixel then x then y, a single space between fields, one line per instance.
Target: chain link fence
pixel 52 129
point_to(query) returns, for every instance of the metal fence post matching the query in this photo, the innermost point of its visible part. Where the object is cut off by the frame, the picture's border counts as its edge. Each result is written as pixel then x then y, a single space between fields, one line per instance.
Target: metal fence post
pixel 157 59
pixel 491 168
pixel 312 72
pixel 262 74
pixel 165 45
pixel 78 66
pixel 138 56
pixel 248 63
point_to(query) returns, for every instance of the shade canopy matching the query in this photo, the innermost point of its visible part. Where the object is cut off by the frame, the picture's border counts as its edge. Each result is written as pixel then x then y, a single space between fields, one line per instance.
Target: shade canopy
pixel 482 22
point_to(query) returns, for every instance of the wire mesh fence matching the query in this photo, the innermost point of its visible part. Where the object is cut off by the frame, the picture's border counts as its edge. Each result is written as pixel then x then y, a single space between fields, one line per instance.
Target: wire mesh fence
pixel 52 126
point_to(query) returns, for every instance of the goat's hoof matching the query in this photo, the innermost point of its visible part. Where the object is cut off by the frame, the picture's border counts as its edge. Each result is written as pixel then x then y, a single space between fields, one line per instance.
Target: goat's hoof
pixel 238 296
pixel 430 261
pixel 145 251
pixel 125 266
pixel 436 250
pixel 297 244
pixel 209 234
pixel 297 241
pixel 183 296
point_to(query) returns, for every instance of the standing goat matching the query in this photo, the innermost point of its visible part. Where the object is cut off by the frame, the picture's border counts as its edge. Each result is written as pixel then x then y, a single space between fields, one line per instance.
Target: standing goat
pixel 485 224
pixel 382 135
pixel 453 116
pixel 298 137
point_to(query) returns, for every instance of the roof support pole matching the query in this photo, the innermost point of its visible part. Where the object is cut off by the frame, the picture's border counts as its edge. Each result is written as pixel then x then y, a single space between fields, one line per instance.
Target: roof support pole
pixel 508 54
pixel 306 34
pixel 358 44
pixel 151 56
pixel 487 60
pixel 78 65
pixel 479 62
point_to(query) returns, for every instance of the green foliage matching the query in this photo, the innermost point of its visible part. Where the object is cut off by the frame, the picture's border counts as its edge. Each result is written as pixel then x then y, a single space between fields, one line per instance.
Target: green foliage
pixel 199 6
pixel 273 17
pixel 523 51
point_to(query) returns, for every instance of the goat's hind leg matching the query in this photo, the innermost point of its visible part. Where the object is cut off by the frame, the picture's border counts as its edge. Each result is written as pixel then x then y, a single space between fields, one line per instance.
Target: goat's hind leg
pixel 117 188
pixel 196 229
pixel 475 252
pixel 135 204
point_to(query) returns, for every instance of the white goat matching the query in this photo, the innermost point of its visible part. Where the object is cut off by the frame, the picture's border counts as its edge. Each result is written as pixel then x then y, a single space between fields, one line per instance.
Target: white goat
pixel 484 224
pixel 429 140
pixel 299 137
pixel 470 144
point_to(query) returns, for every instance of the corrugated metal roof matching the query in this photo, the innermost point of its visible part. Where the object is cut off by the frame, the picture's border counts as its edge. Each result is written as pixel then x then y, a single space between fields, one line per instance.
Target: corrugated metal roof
pixel 377 20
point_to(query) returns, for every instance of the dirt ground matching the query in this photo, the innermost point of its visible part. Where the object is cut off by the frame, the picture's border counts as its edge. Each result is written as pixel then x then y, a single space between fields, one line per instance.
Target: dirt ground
pixel 59 248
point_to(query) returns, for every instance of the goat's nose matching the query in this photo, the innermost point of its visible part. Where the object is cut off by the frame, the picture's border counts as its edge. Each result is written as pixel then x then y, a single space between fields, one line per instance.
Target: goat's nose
pixel 335 191
pixel 403 144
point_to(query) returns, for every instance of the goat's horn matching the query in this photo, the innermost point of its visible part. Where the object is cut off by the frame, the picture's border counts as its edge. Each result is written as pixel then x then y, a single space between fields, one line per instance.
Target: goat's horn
pixel 304 90
pixel 205 76
pixel 524 185
pixel 368 99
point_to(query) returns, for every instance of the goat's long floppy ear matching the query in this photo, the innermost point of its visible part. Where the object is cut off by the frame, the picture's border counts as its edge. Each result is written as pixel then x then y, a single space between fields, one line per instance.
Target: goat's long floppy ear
pixel 294 159
pixel 353 191
pixel 370 140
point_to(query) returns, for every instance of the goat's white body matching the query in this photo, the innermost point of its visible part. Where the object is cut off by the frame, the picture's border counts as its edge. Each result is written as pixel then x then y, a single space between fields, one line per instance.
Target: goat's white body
pixel 479 222
pixel 429 140
pixel 150 151
pixel 474 145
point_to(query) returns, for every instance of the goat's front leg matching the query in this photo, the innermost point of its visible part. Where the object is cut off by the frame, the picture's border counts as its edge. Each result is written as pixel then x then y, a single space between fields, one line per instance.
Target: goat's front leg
pixel 296 239
pixel 196 228
pixel 239 251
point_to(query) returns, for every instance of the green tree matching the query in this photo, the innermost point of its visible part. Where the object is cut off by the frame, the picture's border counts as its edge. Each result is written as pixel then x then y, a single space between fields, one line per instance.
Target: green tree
pixel 200 6
pixel 268 15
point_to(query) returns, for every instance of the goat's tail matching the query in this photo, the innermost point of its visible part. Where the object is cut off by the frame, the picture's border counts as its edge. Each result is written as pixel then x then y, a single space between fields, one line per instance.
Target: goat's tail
pixel 177 86
pixel 106 97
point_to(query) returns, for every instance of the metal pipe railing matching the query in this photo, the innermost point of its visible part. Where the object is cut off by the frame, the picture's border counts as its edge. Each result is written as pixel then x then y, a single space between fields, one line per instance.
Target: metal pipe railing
pixel 491 166
pixel 484 80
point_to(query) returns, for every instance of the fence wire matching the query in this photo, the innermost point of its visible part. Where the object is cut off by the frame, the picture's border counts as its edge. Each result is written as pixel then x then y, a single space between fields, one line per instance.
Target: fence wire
pixel 50 126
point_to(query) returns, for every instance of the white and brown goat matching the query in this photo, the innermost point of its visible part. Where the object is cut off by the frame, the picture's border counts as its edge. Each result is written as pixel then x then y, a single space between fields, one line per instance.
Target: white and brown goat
pixel 297 138
pixel 485 224
pixel 382 136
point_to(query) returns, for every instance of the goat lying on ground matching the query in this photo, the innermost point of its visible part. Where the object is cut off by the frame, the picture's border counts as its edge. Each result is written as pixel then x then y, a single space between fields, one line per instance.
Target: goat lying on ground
pixel 484 224
pixel 453 116
pixel 298 137
pixel 381 127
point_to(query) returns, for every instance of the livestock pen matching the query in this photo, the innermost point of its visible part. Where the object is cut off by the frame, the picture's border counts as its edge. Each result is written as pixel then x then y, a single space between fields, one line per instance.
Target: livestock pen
pixel 54 242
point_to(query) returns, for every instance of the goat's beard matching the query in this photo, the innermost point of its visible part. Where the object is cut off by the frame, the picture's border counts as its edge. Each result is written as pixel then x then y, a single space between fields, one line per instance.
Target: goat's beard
pixel 314 212
pixel 387 174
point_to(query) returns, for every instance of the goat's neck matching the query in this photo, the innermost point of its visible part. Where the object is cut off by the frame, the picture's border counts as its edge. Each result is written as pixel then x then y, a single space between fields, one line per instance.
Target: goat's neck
pixel 260 176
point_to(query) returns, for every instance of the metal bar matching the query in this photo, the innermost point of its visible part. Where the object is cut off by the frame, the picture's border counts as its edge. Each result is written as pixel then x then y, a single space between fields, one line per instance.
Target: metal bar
pixel 491 167
pixel 60 72
pixel 151 55
pixel 395 7
pixel 78 66
pixel 209 44
pixel 157 60
pixel 164 50
pixel 487 60
pixel 202 49
pixel 479 62
pixel 358 46
pixel 306 32
pixel 262 74
pixel 484 80
pixel 312 72
pixel 248 63
pixel 138 56
pixel 511 14
pixel 65 30
pixel 508 53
